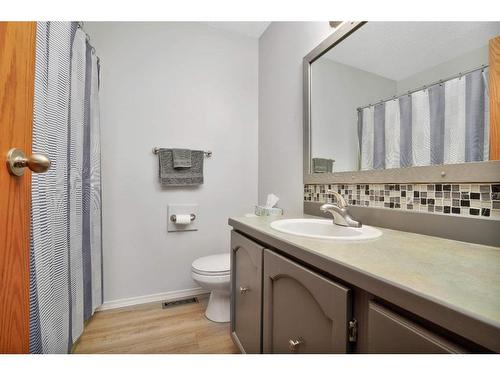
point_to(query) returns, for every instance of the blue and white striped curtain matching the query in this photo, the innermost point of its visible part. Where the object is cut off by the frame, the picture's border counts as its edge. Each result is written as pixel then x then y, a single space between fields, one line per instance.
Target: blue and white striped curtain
pixel 66 273
pixel 446 123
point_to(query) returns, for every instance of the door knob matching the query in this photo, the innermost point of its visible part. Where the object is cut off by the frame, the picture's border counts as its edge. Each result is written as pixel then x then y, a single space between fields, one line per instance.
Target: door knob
pixel 244 290
pixel 293 344
pixel 17 161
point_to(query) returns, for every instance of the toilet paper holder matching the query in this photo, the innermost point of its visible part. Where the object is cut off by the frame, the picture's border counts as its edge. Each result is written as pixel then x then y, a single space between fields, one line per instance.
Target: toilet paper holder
pixel 173 218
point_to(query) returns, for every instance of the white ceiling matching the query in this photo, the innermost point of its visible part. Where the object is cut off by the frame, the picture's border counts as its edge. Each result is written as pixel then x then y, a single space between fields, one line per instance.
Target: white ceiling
pixel 397 50
pixel 252 29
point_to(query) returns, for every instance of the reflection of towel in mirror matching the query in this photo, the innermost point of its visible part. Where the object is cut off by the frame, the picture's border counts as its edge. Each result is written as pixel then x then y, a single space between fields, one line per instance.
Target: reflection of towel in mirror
pixel 321 165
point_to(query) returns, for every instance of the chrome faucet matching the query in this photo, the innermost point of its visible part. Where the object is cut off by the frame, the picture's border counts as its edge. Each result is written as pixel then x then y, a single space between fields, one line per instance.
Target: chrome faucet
pixel 339 211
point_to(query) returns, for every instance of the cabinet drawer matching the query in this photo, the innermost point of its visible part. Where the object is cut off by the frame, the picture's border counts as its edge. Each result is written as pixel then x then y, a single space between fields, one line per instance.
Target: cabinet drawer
pixel 389 332
pixel 246 289
pixel 303 312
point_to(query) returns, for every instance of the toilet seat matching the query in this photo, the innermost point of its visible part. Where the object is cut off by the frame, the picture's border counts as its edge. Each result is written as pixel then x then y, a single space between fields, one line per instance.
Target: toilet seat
pixel 202 273
pixel 212 265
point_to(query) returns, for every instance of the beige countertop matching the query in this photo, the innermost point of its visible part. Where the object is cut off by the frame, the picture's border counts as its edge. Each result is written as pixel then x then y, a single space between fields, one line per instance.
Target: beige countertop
pixel 461 276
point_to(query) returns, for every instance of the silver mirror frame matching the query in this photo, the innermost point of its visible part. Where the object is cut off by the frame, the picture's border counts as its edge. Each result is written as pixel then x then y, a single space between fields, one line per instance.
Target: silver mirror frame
pixel 487 171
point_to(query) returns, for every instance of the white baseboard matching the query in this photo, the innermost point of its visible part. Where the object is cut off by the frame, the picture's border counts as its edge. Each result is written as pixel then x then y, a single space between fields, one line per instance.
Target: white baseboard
pixel 167 296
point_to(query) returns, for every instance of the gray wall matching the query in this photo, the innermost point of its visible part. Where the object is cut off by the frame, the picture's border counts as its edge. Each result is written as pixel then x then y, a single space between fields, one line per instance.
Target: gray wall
pixel 470 60
pixel 281 49
pixel 337 90
pixel 179 85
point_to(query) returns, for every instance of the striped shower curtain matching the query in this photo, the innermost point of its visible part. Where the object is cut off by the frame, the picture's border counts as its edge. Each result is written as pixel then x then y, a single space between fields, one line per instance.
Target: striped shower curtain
pixel 446 123
pixel 65 262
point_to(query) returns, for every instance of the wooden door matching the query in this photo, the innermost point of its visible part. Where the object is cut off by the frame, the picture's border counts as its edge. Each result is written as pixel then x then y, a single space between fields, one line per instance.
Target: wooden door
pixel 303 311
pixel 17 67
pixel 390 333
pixel 494 86
pixel 246 287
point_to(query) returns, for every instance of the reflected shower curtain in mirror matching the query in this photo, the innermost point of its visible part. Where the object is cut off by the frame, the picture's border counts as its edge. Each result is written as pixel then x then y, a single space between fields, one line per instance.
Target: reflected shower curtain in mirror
pixel 65 258
pixel 445 123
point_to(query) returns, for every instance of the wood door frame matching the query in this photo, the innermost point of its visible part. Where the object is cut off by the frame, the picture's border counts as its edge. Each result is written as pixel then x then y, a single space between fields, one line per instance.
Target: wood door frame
pixel 494 86
pixel 17 74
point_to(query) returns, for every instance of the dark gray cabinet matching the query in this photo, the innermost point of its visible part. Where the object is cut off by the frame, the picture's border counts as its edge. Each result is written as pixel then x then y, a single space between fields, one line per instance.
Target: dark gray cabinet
pixel 391 333
pixel 303 312
pixel 281 306
pixel 246 289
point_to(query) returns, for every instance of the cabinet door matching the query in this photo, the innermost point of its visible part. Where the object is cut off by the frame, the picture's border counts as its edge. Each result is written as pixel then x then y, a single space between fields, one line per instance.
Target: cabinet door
pixel 303 312
pixel 246 287
pixel 391 333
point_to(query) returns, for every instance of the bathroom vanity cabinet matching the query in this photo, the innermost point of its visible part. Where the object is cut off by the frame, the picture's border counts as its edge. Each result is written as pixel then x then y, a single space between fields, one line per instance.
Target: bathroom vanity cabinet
pixel 303 312
pixel 300 312
pixel 246 297
pixel 390 333
pixel 287 300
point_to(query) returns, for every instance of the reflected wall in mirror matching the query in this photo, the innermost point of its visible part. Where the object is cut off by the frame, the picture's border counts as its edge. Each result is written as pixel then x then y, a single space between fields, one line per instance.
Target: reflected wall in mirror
pixel 402 94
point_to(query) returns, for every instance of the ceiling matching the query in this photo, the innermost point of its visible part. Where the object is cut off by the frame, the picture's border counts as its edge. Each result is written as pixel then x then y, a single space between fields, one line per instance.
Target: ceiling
pixel 397 50
pixel 251 29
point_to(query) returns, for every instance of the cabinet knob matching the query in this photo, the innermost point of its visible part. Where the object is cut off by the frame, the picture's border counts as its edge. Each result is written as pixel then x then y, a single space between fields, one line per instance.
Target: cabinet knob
pixel 244 290
pixel 293 344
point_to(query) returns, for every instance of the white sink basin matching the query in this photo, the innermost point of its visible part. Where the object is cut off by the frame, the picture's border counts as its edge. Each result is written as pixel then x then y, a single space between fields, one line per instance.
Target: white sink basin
pixel 324 229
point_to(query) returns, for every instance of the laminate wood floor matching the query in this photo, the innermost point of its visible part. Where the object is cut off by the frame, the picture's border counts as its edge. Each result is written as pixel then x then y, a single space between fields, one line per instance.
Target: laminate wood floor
pixel 150 329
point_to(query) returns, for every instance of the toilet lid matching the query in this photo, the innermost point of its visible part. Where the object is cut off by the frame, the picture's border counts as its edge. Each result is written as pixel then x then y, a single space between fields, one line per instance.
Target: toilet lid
pixel 212 265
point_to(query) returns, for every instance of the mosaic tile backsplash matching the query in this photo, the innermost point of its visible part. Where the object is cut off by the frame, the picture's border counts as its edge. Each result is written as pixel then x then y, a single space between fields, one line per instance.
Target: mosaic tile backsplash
pixel 472 200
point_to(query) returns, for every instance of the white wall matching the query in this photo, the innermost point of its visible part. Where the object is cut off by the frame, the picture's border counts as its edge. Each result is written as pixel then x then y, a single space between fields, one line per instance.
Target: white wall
pixel 337 90
pixel 281 49
pixel 172 85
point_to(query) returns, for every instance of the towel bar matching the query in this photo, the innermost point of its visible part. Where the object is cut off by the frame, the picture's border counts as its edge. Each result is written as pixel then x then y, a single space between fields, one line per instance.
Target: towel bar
pixel 207 153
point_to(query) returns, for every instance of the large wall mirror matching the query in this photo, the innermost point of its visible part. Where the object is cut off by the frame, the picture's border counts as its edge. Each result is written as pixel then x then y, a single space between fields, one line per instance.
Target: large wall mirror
pixel 402 101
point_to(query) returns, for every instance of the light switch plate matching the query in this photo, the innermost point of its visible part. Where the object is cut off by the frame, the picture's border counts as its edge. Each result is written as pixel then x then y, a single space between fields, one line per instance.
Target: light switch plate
pixel 182 209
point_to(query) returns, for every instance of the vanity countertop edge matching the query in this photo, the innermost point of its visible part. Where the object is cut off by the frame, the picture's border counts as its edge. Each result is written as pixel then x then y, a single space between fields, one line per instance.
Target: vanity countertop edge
pixel 401 268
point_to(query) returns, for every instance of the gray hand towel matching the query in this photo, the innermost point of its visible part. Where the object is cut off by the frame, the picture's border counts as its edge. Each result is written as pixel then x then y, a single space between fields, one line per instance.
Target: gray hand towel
pixel 169 176
pixel 321 165
pixel 182 158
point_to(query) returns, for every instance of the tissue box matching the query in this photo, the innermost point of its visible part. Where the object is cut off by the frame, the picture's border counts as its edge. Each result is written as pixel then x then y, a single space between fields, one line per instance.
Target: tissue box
pixel 263 211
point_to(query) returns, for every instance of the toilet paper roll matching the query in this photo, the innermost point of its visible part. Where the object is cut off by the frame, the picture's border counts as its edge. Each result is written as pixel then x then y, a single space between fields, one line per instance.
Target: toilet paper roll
pixel 183 219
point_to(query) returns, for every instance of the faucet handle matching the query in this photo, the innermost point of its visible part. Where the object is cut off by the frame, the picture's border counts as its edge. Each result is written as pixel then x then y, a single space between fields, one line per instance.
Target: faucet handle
pixel 341 202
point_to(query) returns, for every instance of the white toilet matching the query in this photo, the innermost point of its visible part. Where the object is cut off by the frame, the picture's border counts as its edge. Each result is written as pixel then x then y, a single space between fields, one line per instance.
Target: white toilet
pixel 213 273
